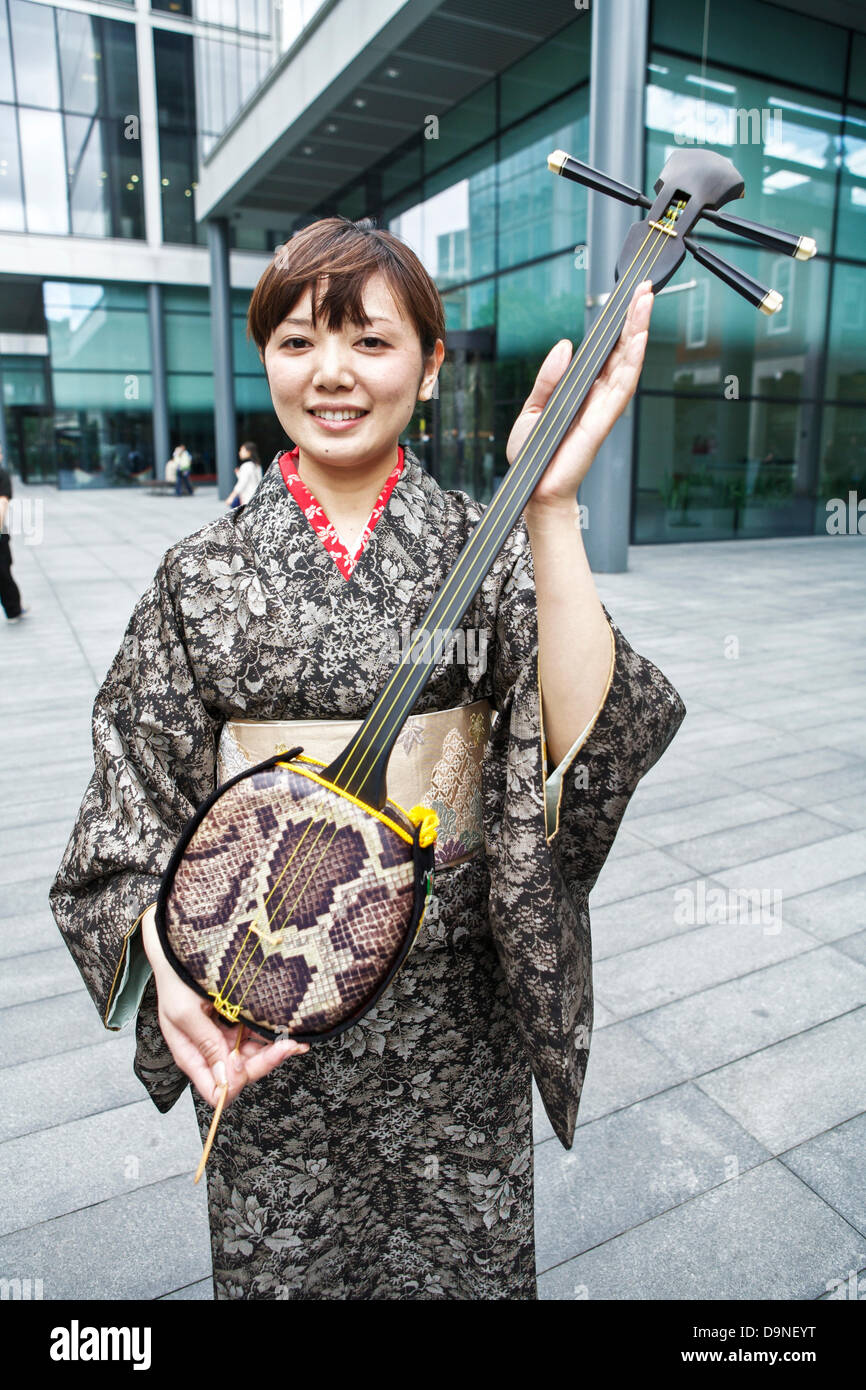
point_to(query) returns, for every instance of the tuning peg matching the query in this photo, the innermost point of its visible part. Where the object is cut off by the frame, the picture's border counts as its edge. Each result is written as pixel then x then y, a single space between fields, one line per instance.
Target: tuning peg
pixel 802 248
pixel 570 168
pixel 784 243
pixel 768 301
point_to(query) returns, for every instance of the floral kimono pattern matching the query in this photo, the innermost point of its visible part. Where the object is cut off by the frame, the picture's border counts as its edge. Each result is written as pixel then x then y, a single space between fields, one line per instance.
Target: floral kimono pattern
pixel 394 1161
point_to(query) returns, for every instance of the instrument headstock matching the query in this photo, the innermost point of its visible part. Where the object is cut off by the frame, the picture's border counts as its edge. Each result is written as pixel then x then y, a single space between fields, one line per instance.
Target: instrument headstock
pixel 691 181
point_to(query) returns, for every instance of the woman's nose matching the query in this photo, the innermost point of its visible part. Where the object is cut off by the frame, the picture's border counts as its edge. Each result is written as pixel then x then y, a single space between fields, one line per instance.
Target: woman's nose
pixel 332 366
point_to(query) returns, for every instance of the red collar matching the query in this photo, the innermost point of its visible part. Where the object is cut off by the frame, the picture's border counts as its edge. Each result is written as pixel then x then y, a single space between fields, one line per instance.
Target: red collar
pixel 315 514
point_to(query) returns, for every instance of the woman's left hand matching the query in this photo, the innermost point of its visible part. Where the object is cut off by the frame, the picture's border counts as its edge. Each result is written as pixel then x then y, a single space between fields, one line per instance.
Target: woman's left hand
pixel 608 398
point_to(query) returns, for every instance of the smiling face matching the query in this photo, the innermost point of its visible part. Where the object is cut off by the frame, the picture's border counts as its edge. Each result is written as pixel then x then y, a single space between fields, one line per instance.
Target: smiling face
pixel 345 396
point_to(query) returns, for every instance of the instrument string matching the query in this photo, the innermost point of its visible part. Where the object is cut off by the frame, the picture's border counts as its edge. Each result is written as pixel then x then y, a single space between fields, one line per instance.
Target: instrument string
pixel 653 240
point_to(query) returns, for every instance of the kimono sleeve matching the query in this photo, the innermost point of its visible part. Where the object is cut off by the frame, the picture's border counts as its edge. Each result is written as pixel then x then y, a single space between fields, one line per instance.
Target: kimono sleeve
pixel 154 762
pixel 541 875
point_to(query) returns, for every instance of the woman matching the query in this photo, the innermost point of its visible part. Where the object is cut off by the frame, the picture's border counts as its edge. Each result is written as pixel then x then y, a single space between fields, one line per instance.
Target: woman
pixel 248 474
pixel 395 1160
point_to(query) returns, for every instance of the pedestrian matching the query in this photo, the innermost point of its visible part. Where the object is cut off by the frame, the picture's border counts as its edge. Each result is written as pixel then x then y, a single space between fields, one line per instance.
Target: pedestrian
pixel 9 595
pixel 183 464
pixel 248 474
pixel 393 1160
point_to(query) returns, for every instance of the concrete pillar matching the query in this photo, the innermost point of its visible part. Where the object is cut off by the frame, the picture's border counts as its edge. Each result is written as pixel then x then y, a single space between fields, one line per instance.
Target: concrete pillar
pixel 225 427
pixel 159 409
pixel 620 33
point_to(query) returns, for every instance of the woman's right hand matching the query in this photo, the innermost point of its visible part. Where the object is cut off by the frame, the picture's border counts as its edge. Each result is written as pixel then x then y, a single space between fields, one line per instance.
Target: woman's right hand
pixel 202 1045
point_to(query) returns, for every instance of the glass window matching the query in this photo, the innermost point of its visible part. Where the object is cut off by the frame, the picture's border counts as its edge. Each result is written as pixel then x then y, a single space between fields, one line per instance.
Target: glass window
pixel 11 199
pixel 843 458
pixel 175 81
pixel 785 146
pixel 778 42
pixel 190 391
pixel 34 54
pixel 173 6
pixel 709 340
pixel 42 160
pixel 461 129
pixel 102 390
pixel 80 58
pixel 7 88
pixel 538 305
pixel 177 167
pixel 851 225
pixel 846 361
pixel 539 212
pixel 88 190
pixel 188 341
pixel 716 469
pixel 857 76
pixel 87 331
pixel 557 66
pixel 453 230
pixel 120 76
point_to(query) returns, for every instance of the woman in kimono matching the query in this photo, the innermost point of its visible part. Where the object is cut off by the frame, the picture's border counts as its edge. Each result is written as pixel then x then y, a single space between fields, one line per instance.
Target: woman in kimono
pixel 393 1161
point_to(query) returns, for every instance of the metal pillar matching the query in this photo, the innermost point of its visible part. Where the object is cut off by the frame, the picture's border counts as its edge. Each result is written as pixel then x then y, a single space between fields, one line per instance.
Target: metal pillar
pixel 225 426
pixel 616 145
pixel 159 407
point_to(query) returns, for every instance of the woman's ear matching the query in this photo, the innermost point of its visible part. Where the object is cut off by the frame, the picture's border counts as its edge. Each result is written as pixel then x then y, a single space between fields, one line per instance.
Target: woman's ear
pixel 431 371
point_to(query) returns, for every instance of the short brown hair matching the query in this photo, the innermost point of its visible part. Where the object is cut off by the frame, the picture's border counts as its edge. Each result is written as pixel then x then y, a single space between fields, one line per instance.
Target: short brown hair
pixel 348 253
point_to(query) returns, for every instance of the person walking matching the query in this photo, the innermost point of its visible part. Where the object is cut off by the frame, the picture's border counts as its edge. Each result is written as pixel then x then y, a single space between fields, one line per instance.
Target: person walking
pixel 183 465
pixel 9 595
pixel 248 473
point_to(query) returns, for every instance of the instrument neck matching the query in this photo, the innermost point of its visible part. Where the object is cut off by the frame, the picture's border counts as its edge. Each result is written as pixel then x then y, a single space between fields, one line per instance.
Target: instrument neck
pixel 360 769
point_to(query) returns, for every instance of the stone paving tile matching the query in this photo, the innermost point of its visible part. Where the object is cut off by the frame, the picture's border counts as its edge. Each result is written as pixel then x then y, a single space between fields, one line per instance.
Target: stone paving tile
pixel 31 931
pixel 639 873
pixel 39 975
pixel 744 843
pixel 800 870
pixel 619 927
pixel 91 1160
pixel 832 1165
pixel 66 1086
pixel 829 913
pixel 666 797
pixel 797 1088
pixel 764 1235
pixel 24 896
pixel 693 961
pixel 718 1025
pixel 117 1249
pixel 627 1167
pixel 849 811
pixel 853 946
pixel 30 1031
pixel 707 817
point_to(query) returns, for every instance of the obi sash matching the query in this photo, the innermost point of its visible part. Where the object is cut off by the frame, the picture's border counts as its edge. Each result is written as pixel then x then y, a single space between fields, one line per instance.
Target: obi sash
pixel 435 762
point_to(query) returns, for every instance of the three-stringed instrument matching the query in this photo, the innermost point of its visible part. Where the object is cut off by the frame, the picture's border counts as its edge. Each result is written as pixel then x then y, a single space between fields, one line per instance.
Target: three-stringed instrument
pixel 297 890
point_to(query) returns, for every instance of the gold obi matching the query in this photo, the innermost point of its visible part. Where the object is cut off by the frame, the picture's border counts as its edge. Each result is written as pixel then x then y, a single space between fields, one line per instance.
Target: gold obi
pixel 435 762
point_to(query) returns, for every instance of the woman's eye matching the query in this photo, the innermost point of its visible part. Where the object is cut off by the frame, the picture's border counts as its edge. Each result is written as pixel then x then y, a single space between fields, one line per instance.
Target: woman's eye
pixel 295 342
pixel 372 341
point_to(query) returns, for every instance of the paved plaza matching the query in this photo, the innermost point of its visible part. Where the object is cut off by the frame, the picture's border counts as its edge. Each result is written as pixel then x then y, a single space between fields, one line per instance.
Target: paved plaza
pixel 719 1151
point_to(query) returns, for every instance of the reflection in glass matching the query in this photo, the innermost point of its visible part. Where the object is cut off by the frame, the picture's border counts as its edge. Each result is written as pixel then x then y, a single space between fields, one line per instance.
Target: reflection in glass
pixel 785 145
pixel 846 362
pixel 42 160
pixel 7 88
pixel 34 52
pixel 713 470
pixel 87 187
pixel 79 61
pixel 851 229
pixel 11 200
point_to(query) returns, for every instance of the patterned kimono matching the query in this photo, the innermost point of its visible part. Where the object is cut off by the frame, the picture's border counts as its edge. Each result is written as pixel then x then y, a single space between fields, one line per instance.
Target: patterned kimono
pixel 395 1160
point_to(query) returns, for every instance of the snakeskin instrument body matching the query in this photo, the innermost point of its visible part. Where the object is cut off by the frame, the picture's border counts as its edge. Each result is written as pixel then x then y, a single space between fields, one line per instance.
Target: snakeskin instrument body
pixel 290 904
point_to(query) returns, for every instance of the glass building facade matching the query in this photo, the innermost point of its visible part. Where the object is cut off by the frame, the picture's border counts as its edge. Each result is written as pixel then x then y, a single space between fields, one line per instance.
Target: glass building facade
pixel 744 425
